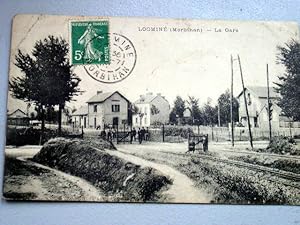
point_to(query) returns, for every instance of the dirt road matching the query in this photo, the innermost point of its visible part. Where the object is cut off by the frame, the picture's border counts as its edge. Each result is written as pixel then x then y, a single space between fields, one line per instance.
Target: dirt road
pixel 27 180
pixel 182 190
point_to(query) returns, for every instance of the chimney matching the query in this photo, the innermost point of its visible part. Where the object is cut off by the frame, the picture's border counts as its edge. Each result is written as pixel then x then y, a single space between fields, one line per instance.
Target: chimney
pixel 99 92
pixel 159 94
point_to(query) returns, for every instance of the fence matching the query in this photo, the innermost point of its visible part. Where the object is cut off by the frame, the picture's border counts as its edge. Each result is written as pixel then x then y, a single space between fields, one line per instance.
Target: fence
pixel 242 133
pixel 169 133
pixel 284 124
pixel 177 134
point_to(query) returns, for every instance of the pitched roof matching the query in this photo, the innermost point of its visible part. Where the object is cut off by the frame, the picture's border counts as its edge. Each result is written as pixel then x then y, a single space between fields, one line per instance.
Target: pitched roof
pixel 147 98
pixel 261 91
pixel 101 97
pixel 15 115
pixel 83 110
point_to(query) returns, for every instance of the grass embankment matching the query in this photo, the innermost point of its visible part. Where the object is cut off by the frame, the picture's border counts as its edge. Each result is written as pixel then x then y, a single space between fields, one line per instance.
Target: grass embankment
pixel 290 165
pixel 126 181
pixel 228 183
pixel 241 185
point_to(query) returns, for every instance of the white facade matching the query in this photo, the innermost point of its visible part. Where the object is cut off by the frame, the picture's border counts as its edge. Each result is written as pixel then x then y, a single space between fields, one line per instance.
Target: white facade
pixel 257 108
pixel 80 121
pixel 112 111
pixel 142 119
pixel 103 109
pixel 152 109
pixel 79 117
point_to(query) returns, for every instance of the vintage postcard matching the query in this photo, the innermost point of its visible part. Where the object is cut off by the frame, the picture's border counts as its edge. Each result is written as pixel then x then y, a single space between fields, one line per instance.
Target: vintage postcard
pixel 115 109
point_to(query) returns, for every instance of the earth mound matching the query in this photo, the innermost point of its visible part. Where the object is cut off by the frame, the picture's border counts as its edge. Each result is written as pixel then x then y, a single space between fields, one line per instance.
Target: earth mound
pixel 123 180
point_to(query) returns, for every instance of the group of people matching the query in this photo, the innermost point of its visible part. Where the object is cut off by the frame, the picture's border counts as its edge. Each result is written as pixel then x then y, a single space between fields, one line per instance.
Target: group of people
pixel 141 135
pixel 108 134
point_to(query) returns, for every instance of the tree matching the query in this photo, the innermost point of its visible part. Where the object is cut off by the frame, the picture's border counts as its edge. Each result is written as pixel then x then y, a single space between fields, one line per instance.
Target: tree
pixel 289 85
pixel 68 114
pixel 51 114
pixel 172 117
pixel 48 78
pixel 193 105
pixel 224 104
pixel 210 114
pixel 154 110
pixel 178 109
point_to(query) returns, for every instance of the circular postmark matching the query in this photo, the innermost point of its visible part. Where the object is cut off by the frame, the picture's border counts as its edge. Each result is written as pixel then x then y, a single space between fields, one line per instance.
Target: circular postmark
pixel 121 64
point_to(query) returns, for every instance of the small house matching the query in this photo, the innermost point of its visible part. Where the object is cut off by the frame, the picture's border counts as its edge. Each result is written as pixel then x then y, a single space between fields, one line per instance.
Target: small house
pixel 80 117
pixel 18 118
pixel 107 109
pixel 152 109
pixel 256 100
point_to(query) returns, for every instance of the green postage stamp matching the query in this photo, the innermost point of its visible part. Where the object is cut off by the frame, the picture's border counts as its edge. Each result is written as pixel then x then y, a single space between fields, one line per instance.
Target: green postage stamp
pixel 90 42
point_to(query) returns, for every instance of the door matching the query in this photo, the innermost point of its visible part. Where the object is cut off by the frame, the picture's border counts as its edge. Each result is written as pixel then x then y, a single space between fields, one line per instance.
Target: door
pixel 84 122
pixel 115 121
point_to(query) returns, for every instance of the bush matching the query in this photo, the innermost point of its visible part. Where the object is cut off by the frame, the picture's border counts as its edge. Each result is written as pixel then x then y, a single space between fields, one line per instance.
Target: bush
pixel 31 136
pixel 178 131
pixel 27 136
pixel 283 145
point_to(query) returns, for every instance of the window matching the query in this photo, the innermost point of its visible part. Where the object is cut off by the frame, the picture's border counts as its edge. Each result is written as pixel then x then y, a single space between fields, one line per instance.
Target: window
pixel 115 108
pixel 136 120
pixel 249 99
pixel 255 122
pixel 95 108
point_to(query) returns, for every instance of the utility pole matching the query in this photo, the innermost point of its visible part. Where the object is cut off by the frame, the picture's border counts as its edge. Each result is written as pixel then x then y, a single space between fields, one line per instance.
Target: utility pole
pixel 231 103
pixel 245 101
pixel 269 106
pixel 219 116
pixel 163 132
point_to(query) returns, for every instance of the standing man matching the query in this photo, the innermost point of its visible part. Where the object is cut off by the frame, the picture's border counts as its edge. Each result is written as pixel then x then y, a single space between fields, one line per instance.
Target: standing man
pixel 103 134
pixel 143 132
pixel 109 135
pixel 132 135
pixel 140 137
pixel 205 143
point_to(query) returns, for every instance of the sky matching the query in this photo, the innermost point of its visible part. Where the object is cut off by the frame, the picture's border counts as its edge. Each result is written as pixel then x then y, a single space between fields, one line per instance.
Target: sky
pixel 171 62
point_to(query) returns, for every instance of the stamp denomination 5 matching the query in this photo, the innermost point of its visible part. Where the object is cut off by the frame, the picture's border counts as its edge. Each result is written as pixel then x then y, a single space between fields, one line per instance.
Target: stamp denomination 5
pixel 90 42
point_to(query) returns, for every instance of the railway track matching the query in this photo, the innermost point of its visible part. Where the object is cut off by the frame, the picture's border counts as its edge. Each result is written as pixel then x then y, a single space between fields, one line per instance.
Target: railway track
pixel 293 177
pixel 263 154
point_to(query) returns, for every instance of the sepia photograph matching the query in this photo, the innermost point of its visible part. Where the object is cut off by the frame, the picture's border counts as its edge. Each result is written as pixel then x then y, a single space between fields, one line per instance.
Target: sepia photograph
pixel 120 109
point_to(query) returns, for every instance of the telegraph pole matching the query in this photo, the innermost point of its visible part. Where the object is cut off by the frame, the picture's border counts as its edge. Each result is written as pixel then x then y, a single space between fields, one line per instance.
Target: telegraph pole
pixel 269 105
pixel 245 100
pixel 231 103
pixel 219 116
